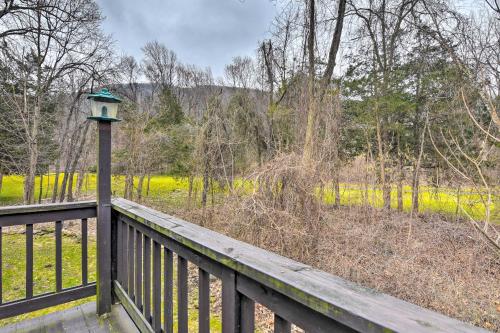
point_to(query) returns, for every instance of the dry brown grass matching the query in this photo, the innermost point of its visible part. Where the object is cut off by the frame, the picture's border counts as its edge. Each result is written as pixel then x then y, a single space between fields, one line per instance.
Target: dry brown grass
pixel 443 266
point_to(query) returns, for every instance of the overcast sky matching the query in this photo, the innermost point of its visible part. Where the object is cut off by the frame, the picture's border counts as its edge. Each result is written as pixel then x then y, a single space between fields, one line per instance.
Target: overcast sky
pixel 201 32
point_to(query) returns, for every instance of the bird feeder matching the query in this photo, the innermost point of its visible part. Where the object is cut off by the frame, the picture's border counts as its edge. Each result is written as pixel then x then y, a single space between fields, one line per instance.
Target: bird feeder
pixel 104 106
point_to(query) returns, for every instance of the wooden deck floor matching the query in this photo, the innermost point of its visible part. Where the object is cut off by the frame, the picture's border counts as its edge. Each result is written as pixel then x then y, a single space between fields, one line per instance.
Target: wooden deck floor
pixel 76 320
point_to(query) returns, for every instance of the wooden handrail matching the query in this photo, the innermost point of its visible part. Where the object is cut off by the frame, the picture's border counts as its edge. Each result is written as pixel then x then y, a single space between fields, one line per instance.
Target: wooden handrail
pixel 295 292
pixel 23 209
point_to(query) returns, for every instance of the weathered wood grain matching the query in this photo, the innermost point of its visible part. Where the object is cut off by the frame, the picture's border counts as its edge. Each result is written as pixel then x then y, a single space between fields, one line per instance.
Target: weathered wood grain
pixel 30 214
pixel 43 208
pixel 203 301
pixel 85 252
pixel 46 300
pixel 142 324
pixel 247 314
pixel 168 292
pixel 182 294
pixel 78 319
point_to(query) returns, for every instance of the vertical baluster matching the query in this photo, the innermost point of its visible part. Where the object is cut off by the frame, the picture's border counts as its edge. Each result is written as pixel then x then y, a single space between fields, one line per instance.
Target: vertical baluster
pixel 147 278
pixel 124 256
pixel 119 251
pixel 230 302
pixel 85 251
pixel 29 260
pixel 204 301
pixel 114 254
pixel 131 249
pixel 138 269
pixel 247 314
pixel 168 294
pixel 1 265
pixel 182 294
pixel 157 287
pixel 281 325
pixel 58 255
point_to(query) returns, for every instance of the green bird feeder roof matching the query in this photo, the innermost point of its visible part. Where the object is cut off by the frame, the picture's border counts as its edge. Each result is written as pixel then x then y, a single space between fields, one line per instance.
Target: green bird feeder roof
pixel 104 96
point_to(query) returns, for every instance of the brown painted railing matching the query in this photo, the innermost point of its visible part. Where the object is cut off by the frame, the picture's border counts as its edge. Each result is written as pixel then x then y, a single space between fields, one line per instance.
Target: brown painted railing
pixel 145 246
pixel 146 242
pixel 28 216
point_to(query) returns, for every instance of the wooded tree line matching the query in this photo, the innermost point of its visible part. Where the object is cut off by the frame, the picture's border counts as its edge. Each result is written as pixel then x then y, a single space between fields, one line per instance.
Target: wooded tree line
pixel 410 87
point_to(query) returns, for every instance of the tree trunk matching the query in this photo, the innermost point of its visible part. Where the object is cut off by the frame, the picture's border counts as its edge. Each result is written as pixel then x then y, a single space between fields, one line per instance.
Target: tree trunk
pixel 212 191
pixel 40 188
pixel 336 186
pixel 29 182
pixel 206 169
pixel 205 188
pixel 400 184
pixel 46 195
pixel 129 186
pixel 415 192
pixel 87 176
pixel 76 159
pixel 83 172
pixel 71 176
pixel 268 55
pixel 311 115
pixel 139 187
pixel 62 141
pixel 366 186
pixel 419 135
pixel 259 148
pixel 56 180
pixel 386 189
pixel 387 195
pixel 368 163
pixel 64 182
pixel 147 186
pixel 79 181
pixel 190 191
pixel 71 163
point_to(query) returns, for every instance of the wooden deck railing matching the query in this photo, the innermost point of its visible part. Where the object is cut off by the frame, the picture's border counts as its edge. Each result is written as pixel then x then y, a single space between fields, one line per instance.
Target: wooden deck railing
pixel 145 246
pixel 28 216
pixel 145 243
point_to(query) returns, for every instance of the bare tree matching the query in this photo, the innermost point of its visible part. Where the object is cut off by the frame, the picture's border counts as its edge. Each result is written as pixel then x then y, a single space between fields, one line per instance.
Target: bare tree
pixel 240 73
pixel 18 17
pixel 160 65
pixel 495 5
pixel 327 75
pixel 60 41
pixel 384 22
pixel 473 48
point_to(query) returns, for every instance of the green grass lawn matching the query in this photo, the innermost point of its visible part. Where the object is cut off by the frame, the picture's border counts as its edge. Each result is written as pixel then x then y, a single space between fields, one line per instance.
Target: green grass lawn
pixel 431 200
pixel 174 192
pixel 14 268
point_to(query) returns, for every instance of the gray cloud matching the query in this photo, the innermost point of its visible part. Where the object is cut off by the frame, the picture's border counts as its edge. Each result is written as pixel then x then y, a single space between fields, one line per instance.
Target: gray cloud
pixel 202 32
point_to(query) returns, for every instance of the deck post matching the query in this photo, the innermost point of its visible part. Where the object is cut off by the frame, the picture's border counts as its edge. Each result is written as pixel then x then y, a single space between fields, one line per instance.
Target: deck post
pixel 104 218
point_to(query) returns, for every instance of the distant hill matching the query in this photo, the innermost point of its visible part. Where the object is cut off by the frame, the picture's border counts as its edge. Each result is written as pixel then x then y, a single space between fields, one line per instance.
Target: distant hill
pixel 193 100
